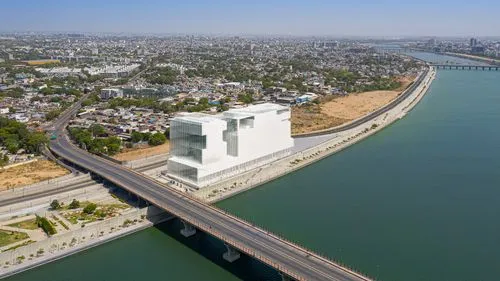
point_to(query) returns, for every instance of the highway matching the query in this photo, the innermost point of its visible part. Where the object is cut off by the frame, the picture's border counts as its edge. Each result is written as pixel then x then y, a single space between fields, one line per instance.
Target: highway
pixel 288 258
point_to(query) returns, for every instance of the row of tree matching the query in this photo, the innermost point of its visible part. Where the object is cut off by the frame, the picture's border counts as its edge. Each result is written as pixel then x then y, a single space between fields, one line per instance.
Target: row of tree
pixel 189 104
pixel 94 141
pixel 151 139
pixel 15 135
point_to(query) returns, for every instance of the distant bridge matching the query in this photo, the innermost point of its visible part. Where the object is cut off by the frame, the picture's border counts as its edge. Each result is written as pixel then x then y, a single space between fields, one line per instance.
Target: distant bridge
pixel 467 67
pixel 397 50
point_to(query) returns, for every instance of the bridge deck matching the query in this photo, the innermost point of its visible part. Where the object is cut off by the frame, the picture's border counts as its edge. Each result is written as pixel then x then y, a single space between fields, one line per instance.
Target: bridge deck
pixel 278 253
pixel 467 66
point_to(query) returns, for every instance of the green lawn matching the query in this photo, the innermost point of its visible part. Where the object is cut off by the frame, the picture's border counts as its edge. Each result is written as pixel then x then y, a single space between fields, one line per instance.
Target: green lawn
pixel 9 237
pixel 28 224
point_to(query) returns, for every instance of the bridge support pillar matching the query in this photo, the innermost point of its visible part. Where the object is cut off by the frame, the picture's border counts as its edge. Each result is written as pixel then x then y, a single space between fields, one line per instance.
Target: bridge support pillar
pixel 188 230
pixel 231 255
pixel 285 277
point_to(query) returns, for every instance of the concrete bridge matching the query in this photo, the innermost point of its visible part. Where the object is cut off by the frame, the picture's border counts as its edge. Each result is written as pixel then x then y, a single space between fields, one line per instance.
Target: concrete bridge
pixel 291 260
pixel 467 67
pixel 395 50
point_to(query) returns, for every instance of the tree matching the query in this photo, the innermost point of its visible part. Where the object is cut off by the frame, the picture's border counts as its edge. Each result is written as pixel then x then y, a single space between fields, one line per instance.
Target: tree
pixel 136 137
pixel 222 107
pixel 245 98
pixel 34 142
pixel 90 208
pixel 54 205
pixel 203 101
pixel 75 204
pixel 4 160
pixel 267 83
pixel 97 130
pixel 12 145
pixel 12 110
pixel 146 136
pixel 47 91
pixel 53 114
pixel 113 145
pixel 157 139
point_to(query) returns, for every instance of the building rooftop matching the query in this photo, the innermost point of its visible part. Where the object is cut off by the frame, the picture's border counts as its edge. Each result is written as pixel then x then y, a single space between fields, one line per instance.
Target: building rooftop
pixel 257 109
pixel 198 117
pixel 237 113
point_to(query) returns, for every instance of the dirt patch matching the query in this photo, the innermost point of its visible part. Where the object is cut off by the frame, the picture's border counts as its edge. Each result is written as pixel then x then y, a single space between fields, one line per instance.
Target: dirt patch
pixel 30 173
pixel 336 110
pixel 310 118
pixel 356 105
pixel 130 154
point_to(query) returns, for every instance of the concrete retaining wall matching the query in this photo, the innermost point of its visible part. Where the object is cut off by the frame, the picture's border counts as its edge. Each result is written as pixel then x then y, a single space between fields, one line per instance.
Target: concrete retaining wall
pixel 62 245
pixel 44 185
pixel 134 164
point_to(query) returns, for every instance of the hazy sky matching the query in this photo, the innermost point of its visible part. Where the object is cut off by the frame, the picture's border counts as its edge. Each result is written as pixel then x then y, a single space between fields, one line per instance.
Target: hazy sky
pixel 285 17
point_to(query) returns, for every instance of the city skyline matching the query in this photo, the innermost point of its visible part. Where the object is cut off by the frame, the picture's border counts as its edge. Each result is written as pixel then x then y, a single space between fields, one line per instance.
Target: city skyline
pixel 387 18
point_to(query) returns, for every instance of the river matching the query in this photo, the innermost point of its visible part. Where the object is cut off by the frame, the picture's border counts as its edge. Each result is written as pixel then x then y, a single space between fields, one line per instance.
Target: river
pixel 417 201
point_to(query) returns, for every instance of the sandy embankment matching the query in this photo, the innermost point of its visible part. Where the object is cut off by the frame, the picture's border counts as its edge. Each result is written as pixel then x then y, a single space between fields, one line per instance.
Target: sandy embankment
pixel 138 153
pixel 30 173
pixel 339 110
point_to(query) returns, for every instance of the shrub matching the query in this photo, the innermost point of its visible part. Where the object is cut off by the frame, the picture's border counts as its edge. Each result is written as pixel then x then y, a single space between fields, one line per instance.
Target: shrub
pixel 90 208
pixel 45 224
pixel 100 214
pixel 157 139
pixel 75 204
pixel 55 205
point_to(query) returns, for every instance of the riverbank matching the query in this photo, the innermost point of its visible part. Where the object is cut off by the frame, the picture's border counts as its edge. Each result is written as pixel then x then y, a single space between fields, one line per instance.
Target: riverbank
pixel 328 145
pixel 254 178
pixel 59 246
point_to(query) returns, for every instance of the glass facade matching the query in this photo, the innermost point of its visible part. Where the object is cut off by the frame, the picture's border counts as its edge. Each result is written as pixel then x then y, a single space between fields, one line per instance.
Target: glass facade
pixel 187 141
pixel 230 136
pixel 183 171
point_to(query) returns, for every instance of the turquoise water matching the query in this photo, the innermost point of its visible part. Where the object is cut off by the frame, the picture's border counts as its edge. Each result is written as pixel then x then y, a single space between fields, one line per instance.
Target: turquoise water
pixel 417 201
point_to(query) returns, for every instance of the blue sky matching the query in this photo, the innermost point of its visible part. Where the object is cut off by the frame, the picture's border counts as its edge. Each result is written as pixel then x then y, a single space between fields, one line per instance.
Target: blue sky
pixel 291 17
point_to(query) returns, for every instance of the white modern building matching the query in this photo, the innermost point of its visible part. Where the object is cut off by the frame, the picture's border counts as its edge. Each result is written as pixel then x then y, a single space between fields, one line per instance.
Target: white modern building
pixel 209 148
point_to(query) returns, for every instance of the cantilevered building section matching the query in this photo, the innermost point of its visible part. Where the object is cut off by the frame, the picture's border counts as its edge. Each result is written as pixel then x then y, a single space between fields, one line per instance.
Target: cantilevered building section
pixel 209 148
